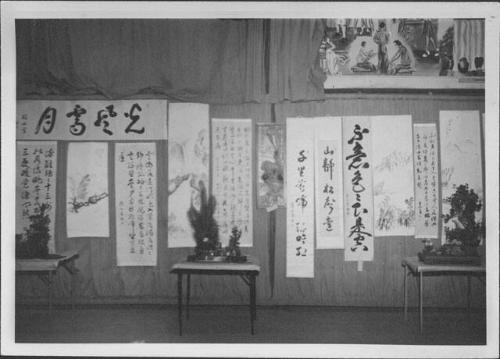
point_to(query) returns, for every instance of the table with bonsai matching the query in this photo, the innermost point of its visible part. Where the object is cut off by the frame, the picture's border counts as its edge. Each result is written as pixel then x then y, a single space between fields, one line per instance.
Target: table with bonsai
pixel 412 265
pixel 46 269
pixel 248 271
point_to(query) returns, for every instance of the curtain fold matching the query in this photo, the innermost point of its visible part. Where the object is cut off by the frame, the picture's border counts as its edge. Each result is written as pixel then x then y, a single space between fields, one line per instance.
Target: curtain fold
pixel 211 61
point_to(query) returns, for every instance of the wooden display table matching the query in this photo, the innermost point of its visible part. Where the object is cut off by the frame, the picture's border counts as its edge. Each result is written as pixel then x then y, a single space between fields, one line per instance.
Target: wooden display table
pixel 247 271
pixel 46 269
pixel 412 265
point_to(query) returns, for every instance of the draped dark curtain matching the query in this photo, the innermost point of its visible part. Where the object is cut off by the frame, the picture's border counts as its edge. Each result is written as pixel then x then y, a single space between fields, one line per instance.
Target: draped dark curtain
pixel 210 60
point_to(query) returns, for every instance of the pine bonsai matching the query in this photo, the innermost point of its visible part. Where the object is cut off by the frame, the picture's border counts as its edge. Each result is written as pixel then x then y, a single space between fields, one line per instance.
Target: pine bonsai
pixel 206 230
pixel 37 236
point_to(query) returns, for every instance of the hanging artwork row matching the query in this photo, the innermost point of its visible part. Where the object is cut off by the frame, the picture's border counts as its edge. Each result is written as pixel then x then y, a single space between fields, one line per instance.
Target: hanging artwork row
pixel 271 166
pixel 461 164
pixel 425 155
pixel 188 164
pixel 91 120
pixel 232 177
pixel 87 194
pixel 36 164
pixel 136 207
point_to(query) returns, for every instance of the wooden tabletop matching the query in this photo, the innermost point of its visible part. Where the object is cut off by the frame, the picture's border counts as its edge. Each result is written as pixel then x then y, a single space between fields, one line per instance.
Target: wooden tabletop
pixel 416 265
pixel 216 266
pixel 42 264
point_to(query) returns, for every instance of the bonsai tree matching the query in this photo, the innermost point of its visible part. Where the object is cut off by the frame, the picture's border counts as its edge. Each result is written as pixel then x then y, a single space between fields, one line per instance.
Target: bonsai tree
pixel 464 204
pixel 37 237
pixel 206 230
pixel 233 249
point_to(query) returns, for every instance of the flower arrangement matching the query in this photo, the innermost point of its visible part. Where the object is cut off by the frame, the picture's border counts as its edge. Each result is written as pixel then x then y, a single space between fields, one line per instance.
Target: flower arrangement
pixel 34 243
pixel 205 227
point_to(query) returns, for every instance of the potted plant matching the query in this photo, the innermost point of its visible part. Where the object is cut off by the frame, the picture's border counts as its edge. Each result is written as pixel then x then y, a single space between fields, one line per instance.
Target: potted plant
pixel 205 228
pixel 34 243
pixel 462 240
pixel 233 251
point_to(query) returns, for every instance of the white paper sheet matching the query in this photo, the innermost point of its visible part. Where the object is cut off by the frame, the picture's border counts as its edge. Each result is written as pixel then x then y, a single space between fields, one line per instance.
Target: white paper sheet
pixel 36 164
pixel 299 184
pixel 87 194
pixel 233 177
pixel 188 163
pixel 136 204
pixel 393 194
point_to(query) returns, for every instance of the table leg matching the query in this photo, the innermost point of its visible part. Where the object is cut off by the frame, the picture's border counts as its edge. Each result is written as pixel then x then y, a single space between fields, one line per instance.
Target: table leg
pixel 253 310
pixel 188 295
pixel 49 294
pixel 468 296
pixel 421 301
pixel 179 300
pixel 405 290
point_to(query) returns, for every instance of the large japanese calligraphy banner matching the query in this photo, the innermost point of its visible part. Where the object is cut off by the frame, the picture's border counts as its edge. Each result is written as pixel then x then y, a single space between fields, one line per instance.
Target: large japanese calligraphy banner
pixel 425 157
pixel 87 190
pixel 358 191
pixel 232 177
pixel 92 120
pixel 300 198
pixel 460 144
pixel 36 163
pixel 392 166
pixel 188 164
pixel 271 166
pixel 328 182
pixel 136 204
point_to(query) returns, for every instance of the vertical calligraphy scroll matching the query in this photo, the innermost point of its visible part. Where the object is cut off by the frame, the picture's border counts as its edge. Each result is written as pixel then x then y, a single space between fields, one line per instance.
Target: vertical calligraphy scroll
pixel 232 177
pixel 35 184
pixel 87 190
pixel 188 164
pixel 425 154
pixel 328 182
pixel 271 166
pixel 358 200
pixel 460 144
pixel 136 204
pixel 300 198
pixel 393 196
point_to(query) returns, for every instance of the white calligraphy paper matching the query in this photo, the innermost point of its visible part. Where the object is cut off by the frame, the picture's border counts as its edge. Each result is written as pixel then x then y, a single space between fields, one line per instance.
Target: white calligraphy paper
pixel 271 166
pixel 36 163
pixel 232 177
pixel 300 198
pixel 92 120
pixel 188 164
pixel 425 154
pixel 460 144
pixel 358 191
pixel 136 204
pixel 87 213
pixel 393 194
pixel 328 182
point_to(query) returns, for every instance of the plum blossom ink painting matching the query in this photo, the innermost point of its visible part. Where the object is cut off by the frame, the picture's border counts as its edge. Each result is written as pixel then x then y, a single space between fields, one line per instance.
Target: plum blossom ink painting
pixel 87 190
pixel 188 164
pixel 393 192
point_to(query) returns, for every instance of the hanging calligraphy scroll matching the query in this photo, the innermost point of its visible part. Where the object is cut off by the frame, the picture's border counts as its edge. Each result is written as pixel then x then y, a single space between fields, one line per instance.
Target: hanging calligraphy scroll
pixel 232 177
pixel 136 208
pixel 392 166
pixel 87 190
pixel 300 198
pixel 188 164
pixel 91 120
pixel 425 154
pixel 328 183
pixel 271 166
pixel 460 144
pixel 358 192
pixel 36 184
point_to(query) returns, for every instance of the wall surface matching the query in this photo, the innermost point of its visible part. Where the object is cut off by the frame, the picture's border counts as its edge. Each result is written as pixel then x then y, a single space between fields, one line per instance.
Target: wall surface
pixel 336 282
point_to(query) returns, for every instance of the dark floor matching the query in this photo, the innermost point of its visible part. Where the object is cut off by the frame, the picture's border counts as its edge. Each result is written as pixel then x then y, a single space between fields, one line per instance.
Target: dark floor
pixel 231 324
